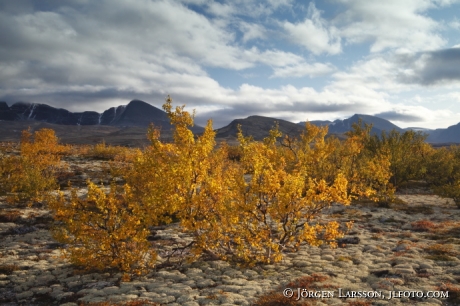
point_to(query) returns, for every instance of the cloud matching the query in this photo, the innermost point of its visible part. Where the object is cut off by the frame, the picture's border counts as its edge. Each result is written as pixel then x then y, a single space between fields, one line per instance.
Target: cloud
pixel 252 31
pixel 305 111
pixel 241 8
pixel 387 25
pixel 314 33
pixel 274 58
pixel 405 115
pixel 257 9
pixel 137 48
pixel 398 116
pixel 373 76
pixel 429 68
pixel 288 102
pixel 219 9
pixel 91 55
pixel 392 24
pixel 455 24
pixel 304 69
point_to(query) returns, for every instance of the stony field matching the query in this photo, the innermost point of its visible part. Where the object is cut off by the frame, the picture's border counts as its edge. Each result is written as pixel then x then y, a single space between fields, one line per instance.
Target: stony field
pixel 409 249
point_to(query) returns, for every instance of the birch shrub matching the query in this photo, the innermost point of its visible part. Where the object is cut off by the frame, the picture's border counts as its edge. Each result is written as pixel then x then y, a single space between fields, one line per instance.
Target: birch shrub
pixel 103 230
pixel 31 175
pixel 231 217
pixel 247 209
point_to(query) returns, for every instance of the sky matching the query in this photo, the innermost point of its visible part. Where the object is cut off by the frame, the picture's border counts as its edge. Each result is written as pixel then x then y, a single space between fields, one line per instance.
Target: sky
pixel 292 60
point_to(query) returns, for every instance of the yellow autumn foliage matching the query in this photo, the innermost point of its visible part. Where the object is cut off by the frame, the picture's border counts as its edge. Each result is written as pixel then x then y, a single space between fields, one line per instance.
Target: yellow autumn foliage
pixel 443 172
pixel 103 230
pixel 248 211
pixel 31 174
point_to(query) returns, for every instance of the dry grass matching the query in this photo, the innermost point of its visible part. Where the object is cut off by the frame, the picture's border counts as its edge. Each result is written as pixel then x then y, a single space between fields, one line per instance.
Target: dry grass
pixel 454 293
pixel 10 216
pixel 446 231
pixel 411 210
pixel 441 252
pixel 310 283
pixel 8 269
pixel 441 249
pixel 423 225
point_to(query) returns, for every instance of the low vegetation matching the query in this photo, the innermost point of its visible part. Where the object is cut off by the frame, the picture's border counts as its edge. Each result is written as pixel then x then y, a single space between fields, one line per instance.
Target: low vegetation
pixel 29 176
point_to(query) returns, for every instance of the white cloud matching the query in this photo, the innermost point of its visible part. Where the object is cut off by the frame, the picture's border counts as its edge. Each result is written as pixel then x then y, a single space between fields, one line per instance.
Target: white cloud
pixel 314 33
pixel 114 51
pixel 376 73
pixel 221 10
pixel 455 24
pixel 304 69
pixel 274 58
pixel 429 118
pixel 256 8
pixel 252 31
pixel 390 24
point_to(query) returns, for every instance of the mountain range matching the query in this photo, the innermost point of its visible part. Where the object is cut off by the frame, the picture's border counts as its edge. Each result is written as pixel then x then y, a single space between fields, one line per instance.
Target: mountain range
pixel 140 114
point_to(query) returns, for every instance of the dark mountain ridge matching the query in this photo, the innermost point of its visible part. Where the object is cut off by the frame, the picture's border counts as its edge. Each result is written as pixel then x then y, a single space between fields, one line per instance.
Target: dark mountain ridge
pixel 258 127
pixel 342 126
pixel 451 134
pixel 140 114
pixel 136 114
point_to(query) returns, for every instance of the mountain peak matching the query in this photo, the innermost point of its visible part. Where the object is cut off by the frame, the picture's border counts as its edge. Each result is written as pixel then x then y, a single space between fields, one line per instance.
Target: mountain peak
pixel 258 127
pixel 378 124
pixel 140 113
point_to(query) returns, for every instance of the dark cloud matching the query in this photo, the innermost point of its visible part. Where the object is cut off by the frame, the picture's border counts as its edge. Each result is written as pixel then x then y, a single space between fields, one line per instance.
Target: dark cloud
pixel 393 115
pixel 92 55
pixel 87 100
pixel 315 107
pixel 224 116
pixel 429 68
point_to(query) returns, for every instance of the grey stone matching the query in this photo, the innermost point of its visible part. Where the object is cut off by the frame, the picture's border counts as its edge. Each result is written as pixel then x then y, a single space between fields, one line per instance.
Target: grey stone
pixel 186 298
pixel 205 283
pixel 163 299
pixel 328 257
pixel 191 303
pixel 24 295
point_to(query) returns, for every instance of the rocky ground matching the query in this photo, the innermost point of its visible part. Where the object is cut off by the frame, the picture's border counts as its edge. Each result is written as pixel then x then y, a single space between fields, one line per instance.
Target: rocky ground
pixel 410 249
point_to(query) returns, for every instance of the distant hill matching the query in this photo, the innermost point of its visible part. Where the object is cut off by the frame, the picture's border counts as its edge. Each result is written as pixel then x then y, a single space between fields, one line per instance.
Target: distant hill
pixel 136 114
pixel 378 124
pixel 439 136
pixel 316 122
pixel 140 114
pixel 341 126
pixel 449 135
pixel 134 136
pixel 258 127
